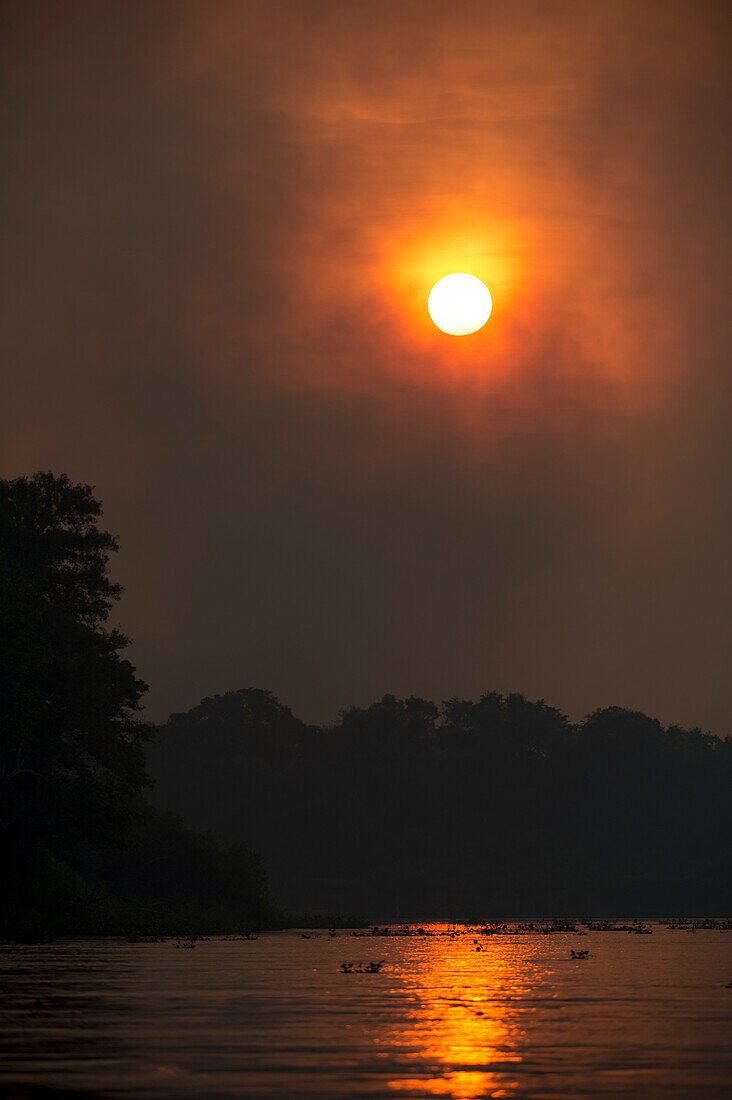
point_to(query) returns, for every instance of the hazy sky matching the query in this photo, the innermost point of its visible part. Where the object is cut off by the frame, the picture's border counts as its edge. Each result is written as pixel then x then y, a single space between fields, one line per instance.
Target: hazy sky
pixel 221 221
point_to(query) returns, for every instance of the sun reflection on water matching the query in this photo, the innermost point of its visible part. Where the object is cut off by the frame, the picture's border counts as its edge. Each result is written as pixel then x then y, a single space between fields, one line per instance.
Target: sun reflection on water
pixel 462 1030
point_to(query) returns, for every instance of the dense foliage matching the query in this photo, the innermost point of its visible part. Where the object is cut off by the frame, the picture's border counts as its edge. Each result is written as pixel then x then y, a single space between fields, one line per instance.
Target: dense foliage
pixel 468 809
pixel 166 879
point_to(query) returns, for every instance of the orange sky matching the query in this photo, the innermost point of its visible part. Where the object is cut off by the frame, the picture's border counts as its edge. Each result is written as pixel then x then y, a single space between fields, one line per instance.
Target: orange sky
pixel 501 140
pixel 223 223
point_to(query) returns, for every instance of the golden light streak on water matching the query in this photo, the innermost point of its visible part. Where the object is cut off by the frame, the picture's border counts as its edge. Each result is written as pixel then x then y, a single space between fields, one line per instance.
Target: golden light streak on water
pixel 462 1018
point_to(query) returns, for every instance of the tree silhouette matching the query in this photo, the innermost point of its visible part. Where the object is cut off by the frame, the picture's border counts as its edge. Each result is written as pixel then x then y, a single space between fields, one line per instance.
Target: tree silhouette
pixel 72 759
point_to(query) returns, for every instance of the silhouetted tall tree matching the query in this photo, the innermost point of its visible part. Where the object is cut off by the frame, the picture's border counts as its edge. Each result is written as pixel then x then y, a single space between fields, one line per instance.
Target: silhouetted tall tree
pixel 72 759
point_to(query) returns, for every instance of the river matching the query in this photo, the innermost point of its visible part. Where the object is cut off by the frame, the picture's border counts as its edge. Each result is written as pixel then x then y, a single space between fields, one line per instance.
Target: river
pixel 276 1017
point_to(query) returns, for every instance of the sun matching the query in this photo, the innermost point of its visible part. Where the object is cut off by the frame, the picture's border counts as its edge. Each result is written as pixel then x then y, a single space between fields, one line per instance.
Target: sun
pixel 459 304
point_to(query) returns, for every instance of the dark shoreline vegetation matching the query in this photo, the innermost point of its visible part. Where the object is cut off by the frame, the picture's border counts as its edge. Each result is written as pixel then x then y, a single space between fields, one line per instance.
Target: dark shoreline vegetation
pixel 465 811
pixel 468 811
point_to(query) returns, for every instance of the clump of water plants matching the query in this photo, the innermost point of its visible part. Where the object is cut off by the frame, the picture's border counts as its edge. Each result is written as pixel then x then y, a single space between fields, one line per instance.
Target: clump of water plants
pixel 362 968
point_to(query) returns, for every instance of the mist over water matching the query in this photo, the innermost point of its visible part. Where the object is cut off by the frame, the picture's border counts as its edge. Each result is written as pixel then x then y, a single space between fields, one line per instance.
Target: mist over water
pixel 274 1017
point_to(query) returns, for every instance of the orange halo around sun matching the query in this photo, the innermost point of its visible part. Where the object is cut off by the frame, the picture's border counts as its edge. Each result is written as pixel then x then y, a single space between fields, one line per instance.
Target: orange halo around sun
pixel 459 304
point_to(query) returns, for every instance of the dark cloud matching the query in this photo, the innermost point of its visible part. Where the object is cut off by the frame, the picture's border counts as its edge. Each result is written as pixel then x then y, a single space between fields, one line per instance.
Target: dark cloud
pixel 221 223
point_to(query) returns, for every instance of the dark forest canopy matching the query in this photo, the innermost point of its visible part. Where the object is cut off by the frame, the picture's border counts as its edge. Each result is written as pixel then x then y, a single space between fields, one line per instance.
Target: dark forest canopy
pixel 463 809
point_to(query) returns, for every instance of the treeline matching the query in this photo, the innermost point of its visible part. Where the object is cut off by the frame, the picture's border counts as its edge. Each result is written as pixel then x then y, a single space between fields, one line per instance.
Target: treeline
pixel 464 810
pixel 405 809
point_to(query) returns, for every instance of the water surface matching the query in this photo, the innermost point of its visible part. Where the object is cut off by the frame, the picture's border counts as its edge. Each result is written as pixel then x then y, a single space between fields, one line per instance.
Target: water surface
pixel 274 1017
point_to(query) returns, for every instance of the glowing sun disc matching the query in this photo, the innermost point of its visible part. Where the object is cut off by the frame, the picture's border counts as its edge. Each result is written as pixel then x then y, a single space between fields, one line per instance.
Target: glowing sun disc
pixel 459 304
